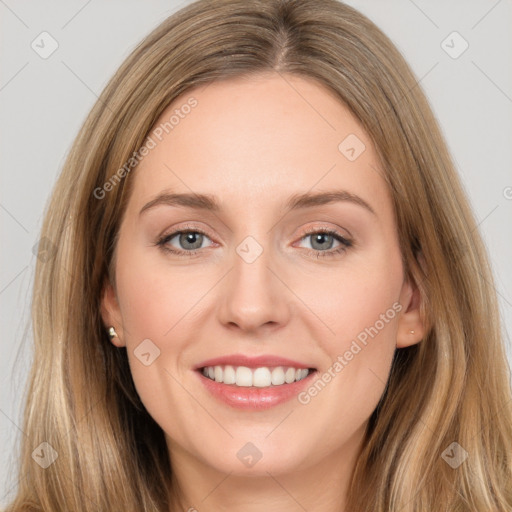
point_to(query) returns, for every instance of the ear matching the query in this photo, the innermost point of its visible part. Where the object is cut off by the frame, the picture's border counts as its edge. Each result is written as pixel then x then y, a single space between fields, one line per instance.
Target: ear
pixel 111 313
pixel 411 324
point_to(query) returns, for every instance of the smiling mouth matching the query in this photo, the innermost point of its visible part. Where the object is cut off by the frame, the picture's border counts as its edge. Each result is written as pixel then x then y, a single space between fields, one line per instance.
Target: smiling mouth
pixel 261 377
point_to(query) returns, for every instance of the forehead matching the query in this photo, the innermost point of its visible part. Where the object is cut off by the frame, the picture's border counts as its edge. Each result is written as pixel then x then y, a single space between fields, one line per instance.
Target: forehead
pixel 256 140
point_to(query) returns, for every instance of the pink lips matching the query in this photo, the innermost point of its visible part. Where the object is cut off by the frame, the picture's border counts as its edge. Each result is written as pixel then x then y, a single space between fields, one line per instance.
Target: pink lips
pixel 252 362
pixel 253 398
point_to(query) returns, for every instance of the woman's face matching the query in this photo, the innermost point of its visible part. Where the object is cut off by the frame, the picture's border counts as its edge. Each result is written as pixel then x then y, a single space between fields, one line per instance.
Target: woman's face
pixel 255 277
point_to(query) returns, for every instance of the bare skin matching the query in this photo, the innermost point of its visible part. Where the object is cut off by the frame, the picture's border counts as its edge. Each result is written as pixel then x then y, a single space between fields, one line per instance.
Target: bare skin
pixel 253 143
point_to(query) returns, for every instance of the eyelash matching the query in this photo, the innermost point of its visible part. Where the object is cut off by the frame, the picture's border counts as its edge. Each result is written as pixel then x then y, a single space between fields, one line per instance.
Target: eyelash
pixel 345 243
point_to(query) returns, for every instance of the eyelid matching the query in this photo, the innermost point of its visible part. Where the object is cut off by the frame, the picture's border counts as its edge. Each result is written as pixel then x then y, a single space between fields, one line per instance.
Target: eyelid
pixel 333 229
pixel 185 227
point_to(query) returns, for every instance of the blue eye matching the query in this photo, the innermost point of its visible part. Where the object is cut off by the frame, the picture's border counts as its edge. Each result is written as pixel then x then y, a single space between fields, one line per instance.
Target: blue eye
pixel 194 238
pixel 319 236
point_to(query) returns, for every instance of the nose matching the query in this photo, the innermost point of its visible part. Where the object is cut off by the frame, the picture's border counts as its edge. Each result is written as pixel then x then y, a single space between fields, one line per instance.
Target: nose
pixel 254 294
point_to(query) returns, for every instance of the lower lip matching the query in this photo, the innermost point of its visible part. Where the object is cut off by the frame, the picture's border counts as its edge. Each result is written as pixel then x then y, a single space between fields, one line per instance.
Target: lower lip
pixel 254 398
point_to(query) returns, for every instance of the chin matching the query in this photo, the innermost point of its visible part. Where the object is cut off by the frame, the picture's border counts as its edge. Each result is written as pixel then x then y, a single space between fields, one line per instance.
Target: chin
pixel 255 459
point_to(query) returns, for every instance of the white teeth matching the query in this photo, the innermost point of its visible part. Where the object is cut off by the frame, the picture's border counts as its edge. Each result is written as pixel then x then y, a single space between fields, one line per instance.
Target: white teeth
pixel 243 376
pixel 258 377
pixel 262 377
pixel 277 376
pixel 289 375
pixel 229 375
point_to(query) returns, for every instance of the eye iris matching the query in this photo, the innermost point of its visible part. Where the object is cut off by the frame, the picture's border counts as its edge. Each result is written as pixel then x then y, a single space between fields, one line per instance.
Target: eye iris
pixel 321 236
pixel 189 238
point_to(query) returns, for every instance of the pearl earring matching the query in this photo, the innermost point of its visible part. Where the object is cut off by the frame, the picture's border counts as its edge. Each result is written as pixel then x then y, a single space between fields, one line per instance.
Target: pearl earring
pixel 412 332
pixel 112 333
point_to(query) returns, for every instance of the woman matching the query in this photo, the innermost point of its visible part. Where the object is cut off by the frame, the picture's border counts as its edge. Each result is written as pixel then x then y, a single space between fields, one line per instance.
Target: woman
pixel 249 371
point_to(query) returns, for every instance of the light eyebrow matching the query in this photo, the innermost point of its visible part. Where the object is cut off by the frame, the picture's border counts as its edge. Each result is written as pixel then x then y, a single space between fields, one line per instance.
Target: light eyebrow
pixel 295 202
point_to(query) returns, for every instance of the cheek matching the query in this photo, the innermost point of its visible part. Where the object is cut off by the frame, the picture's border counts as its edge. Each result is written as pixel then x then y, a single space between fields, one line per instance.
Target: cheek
pixel 355 297
pixel 362 309
pixel 366 303
pixel 360 306
pixel 153 298
pixel 154 315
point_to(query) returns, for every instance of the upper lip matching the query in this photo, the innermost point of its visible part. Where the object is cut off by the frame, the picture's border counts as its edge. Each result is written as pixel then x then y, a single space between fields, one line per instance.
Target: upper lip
pixel 252 361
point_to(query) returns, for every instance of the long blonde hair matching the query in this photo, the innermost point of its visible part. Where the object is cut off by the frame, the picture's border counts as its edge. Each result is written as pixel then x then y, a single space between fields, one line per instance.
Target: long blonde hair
pixel 454 386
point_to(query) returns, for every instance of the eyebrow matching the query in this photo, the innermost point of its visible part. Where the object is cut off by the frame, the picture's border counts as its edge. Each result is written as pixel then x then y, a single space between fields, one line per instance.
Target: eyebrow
pixel 294 202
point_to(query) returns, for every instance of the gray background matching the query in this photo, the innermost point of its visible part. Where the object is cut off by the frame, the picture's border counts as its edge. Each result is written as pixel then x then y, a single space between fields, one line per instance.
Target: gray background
pixel 44 101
